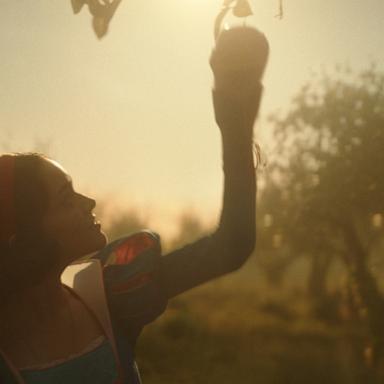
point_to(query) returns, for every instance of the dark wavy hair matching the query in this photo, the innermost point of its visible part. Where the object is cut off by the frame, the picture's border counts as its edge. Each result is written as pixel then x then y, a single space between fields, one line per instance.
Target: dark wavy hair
pixel 29 255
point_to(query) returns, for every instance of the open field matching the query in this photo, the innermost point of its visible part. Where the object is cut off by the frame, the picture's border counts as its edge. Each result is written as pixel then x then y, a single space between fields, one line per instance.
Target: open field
pixel 233 330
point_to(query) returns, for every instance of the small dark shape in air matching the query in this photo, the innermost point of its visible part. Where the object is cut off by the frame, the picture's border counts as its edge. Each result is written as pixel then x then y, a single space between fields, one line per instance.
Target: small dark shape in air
pixel 77 5
pixel 242 9
pixel 102 12
pixel 280 14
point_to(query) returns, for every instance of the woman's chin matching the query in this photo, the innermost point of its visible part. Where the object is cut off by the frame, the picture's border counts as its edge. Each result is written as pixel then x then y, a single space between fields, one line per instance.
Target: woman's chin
pixel 93 244
pixel 100 241
pixel 97 239
pixel 86 243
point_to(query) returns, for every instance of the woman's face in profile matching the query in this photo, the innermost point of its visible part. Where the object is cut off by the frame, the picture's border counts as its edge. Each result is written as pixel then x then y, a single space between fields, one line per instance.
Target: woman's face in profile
pixel 69 219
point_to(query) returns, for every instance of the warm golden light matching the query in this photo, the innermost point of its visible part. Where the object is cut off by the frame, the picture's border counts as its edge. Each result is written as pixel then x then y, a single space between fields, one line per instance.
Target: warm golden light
pixel 139 100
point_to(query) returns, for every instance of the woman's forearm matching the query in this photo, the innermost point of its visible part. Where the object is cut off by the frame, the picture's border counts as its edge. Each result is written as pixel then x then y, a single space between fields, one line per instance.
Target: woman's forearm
pixel 233 241
pixel 237 227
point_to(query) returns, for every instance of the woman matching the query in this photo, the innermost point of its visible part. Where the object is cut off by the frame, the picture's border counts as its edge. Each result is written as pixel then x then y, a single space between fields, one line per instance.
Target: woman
pixel 48 334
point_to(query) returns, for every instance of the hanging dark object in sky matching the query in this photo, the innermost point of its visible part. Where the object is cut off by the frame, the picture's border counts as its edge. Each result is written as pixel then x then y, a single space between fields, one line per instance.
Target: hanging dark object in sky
pixel 241 9
pixel 102 12
pixel 280 13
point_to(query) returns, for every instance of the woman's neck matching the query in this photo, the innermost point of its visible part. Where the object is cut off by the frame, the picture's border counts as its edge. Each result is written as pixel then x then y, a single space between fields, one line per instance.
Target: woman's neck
pixel 38 325
pixel 36 305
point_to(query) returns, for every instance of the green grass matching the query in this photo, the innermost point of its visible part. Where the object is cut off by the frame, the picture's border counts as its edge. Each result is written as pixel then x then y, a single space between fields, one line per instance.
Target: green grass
pixel 236 331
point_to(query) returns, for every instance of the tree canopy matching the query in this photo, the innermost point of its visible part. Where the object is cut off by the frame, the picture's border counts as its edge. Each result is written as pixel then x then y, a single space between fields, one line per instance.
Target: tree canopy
pixel 328 171
pixel 323 195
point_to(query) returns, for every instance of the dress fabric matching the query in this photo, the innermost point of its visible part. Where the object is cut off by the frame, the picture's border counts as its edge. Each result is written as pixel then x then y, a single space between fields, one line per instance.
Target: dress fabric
pixel 131 267
pixel 95 366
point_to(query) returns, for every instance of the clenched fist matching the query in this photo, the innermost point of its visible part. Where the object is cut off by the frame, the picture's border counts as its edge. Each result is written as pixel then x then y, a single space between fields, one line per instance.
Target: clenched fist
pixel 238 62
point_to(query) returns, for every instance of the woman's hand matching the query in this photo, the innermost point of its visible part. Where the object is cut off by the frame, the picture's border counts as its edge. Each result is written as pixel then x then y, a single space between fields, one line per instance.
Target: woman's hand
pixel 238 62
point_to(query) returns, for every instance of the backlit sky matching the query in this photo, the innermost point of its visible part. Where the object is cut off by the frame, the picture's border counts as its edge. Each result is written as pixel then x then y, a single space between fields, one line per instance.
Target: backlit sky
pixel 130 116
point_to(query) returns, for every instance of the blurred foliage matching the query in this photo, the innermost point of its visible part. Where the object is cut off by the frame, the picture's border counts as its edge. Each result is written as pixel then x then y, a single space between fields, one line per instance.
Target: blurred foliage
pixel 325 187
pixel 227 332
pixel 327 175
pixel 323 197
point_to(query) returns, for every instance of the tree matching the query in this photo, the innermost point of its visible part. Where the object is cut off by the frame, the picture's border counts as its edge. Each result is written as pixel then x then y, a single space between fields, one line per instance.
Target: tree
pixel 326 187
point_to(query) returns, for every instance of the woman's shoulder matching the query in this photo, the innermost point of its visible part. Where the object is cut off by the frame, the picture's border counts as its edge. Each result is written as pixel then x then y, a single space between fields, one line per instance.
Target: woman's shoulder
pixel 128 249
pixel 131 266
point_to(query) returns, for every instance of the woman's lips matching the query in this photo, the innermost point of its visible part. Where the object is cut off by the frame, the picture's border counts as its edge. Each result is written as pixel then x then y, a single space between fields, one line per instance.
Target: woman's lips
pixel 93 222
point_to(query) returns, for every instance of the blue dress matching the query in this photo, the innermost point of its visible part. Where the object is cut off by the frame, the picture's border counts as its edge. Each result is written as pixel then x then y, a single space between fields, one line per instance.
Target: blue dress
pixel 95 366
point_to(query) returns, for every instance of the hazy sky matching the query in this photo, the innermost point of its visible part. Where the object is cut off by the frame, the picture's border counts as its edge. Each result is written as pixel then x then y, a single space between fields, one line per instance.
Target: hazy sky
pixel 131 115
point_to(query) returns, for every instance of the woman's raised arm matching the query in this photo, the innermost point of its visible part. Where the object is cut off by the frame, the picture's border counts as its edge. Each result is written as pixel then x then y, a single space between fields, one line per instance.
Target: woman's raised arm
pixel 236 99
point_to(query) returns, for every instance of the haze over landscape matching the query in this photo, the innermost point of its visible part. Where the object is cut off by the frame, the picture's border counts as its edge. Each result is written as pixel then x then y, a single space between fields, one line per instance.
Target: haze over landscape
pixel 130 116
